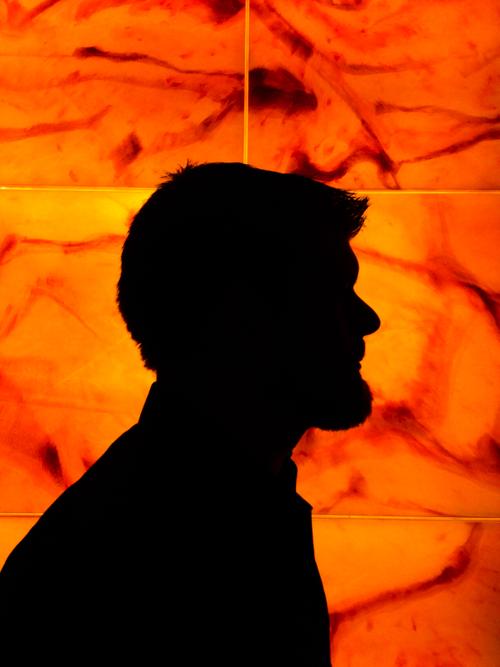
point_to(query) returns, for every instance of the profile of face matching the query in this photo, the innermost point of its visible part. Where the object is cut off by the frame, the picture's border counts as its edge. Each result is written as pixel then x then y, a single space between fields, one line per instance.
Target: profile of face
pixel 325 338
pixel 286 351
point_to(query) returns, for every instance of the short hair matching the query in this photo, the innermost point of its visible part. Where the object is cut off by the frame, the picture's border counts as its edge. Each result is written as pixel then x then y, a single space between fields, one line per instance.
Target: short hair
pixel 209 227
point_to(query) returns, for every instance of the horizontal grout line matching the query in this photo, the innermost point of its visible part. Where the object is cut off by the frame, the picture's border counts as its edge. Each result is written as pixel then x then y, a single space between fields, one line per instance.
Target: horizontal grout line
pixel 394 517
pixel 335 517
pixel 425 192
pixel 20 515
pixel 77 188
pixel 145 189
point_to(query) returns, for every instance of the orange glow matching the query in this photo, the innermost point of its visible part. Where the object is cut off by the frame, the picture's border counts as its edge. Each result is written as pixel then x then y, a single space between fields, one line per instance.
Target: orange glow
pixel 123 93
pixel 355 94
pixel 67 359
pixel 419 593
pixel 433 366
pixel 376 95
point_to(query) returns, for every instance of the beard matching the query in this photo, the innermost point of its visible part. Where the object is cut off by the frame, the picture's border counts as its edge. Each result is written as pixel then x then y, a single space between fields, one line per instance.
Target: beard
pixel 341 404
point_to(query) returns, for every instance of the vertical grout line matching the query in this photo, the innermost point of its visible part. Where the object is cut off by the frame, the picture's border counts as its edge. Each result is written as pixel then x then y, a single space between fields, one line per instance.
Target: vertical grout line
pixel 246 82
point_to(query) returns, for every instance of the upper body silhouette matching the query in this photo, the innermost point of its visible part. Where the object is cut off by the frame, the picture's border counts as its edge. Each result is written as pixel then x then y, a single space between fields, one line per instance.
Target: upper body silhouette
pixel 186 543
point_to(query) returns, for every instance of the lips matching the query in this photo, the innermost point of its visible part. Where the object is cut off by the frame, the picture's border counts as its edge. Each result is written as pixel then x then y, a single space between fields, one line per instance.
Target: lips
pixel 360 352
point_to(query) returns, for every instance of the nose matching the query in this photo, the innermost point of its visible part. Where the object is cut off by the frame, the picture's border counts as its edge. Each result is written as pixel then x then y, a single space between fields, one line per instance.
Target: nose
pixel 369 321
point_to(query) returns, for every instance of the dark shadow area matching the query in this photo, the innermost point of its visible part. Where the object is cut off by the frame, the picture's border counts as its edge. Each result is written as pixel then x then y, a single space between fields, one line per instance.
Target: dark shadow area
pixel 186 543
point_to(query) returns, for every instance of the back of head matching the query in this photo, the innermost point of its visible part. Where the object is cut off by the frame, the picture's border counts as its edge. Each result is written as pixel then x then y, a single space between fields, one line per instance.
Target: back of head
pixel 211 227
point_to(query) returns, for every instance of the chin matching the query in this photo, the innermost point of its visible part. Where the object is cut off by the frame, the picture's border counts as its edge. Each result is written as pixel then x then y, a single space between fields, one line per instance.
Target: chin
pixel 340 408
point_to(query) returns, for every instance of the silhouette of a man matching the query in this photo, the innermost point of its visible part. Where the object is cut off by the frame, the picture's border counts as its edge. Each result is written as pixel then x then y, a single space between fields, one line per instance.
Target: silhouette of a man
pixel 186 542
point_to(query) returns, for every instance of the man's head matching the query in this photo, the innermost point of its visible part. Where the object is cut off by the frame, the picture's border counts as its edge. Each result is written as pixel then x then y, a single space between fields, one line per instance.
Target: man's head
pixel 248 275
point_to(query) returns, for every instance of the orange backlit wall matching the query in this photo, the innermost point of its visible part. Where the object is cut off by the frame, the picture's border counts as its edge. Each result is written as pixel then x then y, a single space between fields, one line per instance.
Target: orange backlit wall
pixel 398 99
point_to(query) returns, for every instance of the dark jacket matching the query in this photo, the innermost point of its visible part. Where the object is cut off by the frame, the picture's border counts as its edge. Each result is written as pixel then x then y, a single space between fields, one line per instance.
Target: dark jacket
pixel 170 550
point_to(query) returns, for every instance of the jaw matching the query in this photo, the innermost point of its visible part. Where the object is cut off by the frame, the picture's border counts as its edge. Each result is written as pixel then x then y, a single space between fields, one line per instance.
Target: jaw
pixel 336 408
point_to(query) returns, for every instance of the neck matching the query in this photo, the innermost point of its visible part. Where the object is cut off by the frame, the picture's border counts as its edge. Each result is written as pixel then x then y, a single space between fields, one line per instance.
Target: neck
pixel 265 429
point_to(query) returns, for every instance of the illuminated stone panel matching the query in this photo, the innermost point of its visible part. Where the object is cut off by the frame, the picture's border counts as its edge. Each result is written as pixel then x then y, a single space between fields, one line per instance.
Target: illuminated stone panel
pixel 411 593
pixel 429 267
pixel 12 530
pixel 363 94
pixel 376 94
pixel 72 379
pixel 99 92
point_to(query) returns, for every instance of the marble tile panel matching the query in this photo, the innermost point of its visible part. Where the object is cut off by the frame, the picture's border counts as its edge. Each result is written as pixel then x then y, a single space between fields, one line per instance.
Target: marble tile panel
pixel 429 267
pixel 95 92
pixel 411 593
pixel 72 379
pixel 12 531
pixel 376 94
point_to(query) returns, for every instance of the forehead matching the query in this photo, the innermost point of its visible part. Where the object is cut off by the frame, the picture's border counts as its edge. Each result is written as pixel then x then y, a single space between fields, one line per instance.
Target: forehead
pixel 324 219
pixel 328 255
